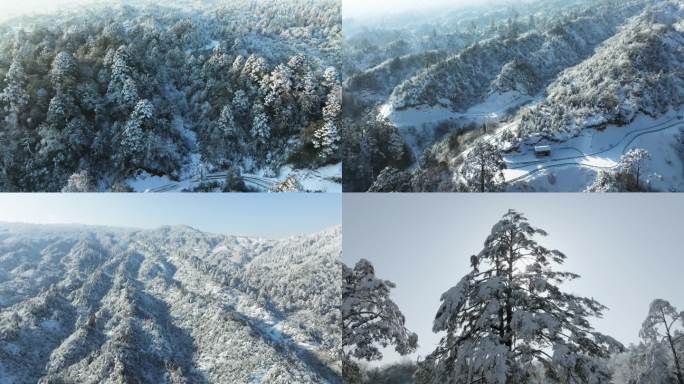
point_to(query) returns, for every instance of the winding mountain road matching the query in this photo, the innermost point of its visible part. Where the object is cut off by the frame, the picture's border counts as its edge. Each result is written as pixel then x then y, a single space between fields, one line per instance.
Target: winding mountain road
pixel 583 159
pixel 259 182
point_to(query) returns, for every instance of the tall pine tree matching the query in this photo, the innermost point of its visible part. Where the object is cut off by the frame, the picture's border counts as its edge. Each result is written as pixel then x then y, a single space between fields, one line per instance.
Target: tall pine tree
pixel 508 319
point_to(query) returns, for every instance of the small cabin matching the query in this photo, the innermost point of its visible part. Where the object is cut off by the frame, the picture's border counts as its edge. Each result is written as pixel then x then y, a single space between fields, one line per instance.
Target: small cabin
pixel 542 150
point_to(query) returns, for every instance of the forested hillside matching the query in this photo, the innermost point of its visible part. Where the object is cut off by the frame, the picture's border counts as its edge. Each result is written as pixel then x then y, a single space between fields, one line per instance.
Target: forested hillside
pixel 639 70
pixel 111 94
pixel 173 305
pixel 597 83
pixel 529 60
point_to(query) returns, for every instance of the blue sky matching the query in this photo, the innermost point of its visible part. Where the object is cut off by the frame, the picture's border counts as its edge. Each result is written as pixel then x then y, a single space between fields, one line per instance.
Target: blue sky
pixel 9 8
pixel 258 214
pixel 626 247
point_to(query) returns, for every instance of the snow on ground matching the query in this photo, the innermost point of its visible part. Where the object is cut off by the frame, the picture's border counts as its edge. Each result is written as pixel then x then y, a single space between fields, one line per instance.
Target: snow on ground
pixel 324 179
pixel 6 377
pixel 499 103
pixel 148 183
pixel 417 125
pixel 50 325
pixel 257 377
pixel 493 106
pixel 575 162
pixel 213 44
pixel 191 173
pixel 278 330
pixel 416 116
pixel 10 348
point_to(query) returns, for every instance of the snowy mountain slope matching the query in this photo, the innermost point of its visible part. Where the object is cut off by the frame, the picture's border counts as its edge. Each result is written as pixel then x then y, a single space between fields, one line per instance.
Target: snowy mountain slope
pixel 102 305
pixel 598 84
pixel 433 114
pixel 577 161
pixel 532 59
pixel 639 70
pixel 628 95
pixel 370 41
pixel 381 79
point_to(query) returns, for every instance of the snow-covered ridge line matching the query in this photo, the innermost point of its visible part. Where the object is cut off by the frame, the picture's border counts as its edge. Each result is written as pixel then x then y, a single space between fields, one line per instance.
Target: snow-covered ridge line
pixel 166 305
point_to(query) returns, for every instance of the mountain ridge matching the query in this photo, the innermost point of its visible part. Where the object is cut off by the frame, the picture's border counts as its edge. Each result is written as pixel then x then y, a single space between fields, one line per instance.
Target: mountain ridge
pixel 124 307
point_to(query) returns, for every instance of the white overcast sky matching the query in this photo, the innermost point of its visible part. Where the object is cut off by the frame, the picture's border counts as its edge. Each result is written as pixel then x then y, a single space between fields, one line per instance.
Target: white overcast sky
pixel 627 248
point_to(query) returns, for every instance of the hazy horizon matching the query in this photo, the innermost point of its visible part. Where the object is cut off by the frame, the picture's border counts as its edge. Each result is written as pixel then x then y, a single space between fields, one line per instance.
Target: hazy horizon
pixel 255 215
pixel 626 248
pixel 27 7
pixel 360 9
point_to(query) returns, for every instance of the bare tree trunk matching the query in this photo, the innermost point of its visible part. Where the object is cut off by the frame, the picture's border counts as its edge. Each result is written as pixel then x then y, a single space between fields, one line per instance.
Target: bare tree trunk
pixel 482 176
pixel 674 350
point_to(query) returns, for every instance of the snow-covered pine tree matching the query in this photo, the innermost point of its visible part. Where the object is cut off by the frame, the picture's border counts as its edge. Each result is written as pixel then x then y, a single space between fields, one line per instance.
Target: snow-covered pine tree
pixel 144 111
pixel 133 141
pixel 236 68
pixel 325 140
pixel 261 131
pixel 227 123
pixel 330 77
pixel 309 98
pixel 482 168
pixel 224 139
pixel 80 182
pixel 508 318
pixel 396 145
pixel 122 89
pixel 333 104
pixel 605 181
pixel 255 67
pixel 277 87
pixel 14 93
pixel 646 363
pixel 64 71
pixel 290 184
pixel 632 165
pixel 662 326
pixel 370 319
pixel 240 102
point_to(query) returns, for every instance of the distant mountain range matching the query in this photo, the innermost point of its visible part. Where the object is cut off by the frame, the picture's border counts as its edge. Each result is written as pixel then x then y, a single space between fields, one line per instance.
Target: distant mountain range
pixel 172 305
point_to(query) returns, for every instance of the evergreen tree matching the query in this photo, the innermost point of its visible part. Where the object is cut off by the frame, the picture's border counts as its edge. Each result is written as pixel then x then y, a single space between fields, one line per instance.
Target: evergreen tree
pixel 14 94
pixel 64 71
pixel 370 318
pixel 396 145
pixel 660 326
pixel 509 316
pixel 261 131
pixel 333 104
pixel 80 182
pixel 240 102
pixel 482 168
pixel 325 140
pixel 632 165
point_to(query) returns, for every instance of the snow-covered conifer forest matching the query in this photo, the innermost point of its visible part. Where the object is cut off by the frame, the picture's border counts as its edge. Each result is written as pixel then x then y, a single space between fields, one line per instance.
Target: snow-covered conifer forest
pixel 173 305
pixel 510 320
pixel 539 95
pixel 148 95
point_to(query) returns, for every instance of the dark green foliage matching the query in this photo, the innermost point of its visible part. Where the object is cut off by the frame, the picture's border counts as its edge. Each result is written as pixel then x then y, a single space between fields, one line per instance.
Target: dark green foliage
pixel 116 91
